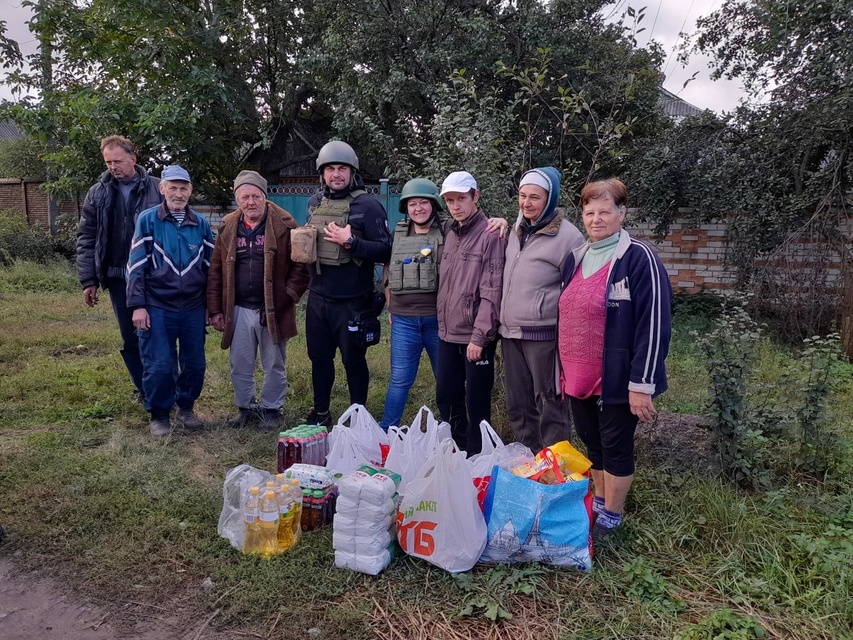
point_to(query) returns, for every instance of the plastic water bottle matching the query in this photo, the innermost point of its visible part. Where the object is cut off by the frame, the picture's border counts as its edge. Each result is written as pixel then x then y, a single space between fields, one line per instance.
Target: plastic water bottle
pixel 268 543
pixel 285 517
pixel 252 536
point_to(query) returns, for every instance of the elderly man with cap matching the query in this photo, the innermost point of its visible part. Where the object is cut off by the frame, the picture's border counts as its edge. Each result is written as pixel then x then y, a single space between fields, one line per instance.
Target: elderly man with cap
pixel 538 246
pixel 469 298
pixel 166 283
pixel 251 297
pixel 352 237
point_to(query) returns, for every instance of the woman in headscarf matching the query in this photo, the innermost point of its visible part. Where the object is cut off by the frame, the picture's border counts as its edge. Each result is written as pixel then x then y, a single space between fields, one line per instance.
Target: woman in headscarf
pixel 538 246
pixel 613 338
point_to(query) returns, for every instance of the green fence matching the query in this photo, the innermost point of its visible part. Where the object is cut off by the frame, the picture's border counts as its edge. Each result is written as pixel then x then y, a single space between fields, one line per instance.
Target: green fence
pixel 295 196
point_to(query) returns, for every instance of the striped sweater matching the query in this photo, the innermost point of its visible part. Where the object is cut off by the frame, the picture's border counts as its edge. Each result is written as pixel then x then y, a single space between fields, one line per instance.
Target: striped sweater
pixel 637 325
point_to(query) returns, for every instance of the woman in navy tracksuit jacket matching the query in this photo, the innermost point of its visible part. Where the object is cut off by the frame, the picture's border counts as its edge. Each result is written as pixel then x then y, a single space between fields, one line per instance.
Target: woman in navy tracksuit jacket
pixel 613 337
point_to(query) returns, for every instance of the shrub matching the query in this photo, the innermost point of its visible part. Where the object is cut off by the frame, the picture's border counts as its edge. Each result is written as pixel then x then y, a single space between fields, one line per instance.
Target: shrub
pixel 20 240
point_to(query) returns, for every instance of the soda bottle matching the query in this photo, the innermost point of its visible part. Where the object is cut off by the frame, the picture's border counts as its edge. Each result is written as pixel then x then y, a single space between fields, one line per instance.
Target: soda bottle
pixel 251 538
pixel 268 543
pixel 285 517
pixel 305 519
pixel 318 510
pixel 281 452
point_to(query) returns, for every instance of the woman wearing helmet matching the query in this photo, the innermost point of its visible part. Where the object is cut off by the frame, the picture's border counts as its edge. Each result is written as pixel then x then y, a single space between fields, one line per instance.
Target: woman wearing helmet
pixel 412 289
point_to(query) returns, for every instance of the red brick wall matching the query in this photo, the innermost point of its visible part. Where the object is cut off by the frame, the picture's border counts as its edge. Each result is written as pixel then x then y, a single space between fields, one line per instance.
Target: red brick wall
pixel 14 192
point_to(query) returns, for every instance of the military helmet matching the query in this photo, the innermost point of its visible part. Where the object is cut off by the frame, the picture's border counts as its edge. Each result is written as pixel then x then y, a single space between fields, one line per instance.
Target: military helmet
pixel 336 152
pixel 419 188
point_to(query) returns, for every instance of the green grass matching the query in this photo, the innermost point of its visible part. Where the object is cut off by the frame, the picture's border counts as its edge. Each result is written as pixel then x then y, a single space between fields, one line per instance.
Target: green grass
pixel 131 522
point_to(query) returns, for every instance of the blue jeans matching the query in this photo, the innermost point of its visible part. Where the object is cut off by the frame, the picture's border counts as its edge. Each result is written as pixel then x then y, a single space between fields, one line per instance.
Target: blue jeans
pixel 410 335
pixel 171 376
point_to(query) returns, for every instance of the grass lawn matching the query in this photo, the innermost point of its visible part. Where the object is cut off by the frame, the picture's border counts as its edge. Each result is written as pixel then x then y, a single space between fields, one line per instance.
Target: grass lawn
pixel 89 497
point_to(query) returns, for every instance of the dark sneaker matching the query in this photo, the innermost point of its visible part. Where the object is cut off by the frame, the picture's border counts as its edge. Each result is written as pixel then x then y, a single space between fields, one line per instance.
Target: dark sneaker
pixel 601 533
pixel 188 419
pixel 160 427
pixel 244 418
pixel 322 419
pixel 270 420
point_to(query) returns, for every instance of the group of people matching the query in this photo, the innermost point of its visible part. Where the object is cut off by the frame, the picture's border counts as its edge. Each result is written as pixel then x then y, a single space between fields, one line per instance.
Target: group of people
pixel 584 326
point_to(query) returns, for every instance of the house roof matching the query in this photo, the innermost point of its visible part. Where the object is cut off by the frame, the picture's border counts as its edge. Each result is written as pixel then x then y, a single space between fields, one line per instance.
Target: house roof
pixel 9 131
pixel 675 107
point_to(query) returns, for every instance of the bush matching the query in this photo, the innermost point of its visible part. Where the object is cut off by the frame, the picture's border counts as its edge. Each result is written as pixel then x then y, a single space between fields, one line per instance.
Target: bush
pixel 20 240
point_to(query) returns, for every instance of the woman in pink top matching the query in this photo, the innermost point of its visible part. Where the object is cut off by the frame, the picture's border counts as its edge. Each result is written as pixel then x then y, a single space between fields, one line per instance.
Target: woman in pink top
pixel 612 339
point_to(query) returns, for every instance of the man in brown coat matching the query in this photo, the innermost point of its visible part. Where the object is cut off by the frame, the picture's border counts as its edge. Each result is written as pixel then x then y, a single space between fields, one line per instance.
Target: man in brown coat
pixel 252 291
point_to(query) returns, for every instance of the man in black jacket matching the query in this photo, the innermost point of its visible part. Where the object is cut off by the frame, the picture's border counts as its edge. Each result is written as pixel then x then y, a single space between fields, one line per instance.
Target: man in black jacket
pixel 352 237
pixel 104 234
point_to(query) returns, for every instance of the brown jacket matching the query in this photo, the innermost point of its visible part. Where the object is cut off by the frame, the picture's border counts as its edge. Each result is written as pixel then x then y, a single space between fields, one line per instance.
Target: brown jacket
pixel 469 289
pixel 284 280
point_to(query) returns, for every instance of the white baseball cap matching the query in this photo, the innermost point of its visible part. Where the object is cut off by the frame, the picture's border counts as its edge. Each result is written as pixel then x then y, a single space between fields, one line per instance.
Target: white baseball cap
pixel 458 182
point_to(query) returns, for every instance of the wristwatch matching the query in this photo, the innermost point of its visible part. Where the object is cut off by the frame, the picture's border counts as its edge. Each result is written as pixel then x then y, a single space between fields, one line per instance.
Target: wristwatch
pixel 348 243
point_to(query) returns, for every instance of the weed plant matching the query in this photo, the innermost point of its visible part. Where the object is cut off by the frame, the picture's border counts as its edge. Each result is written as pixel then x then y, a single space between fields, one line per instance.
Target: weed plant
pixel 129 522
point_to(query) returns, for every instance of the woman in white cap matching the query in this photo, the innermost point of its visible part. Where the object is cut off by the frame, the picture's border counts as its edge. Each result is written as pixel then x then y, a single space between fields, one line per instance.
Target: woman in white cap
pixel 538 246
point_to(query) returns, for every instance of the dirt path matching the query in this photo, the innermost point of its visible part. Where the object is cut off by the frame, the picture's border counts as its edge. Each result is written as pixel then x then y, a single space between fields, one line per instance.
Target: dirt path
pixel 35 608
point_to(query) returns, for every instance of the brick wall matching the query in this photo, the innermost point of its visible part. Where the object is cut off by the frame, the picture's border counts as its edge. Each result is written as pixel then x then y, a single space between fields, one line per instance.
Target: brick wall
pixel 29 198
pixel 695 256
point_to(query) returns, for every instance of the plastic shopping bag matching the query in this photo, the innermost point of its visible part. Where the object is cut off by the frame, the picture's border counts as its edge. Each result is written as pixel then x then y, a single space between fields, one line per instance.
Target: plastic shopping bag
pixel 404 456
pixel 427 433
pixel 235 492
pixel 533 522
pixel 362 442
pixel 438 519
pixel 482 463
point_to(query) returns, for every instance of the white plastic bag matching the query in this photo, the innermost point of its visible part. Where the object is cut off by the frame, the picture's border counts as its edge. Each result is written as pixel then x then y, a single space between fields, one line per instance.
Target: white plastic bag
pixel 482 463
pixel 235 492
pixel 361 442
pixel 427 432
pixel 439 519
pixel 405 457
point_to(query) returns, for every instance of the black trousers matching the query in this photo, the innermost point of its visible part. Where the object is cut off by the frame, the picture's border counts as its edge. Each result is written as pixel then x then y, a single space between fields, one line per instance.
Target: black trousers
pixel 326 330
pixel 464 392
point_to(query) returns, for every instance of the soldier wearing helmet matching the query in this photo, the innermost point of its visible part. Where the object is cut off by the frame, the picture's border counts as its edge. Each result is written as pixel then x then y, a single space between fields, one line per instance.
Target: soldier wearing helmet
pixel 412 289
pixel 352 236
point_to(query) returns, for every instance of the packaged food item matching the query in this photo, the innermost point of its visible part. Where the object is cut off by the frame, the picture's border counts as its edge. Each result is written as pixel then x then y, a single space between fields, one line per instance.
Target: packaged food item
pixel 572 459
pixel 311 476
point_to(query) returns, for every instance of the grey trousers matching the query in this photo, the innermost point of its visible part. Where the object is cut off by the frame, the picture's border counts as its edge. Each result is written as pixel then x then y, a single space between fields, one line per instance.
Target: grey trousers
pixel 538 416
pixel 249 337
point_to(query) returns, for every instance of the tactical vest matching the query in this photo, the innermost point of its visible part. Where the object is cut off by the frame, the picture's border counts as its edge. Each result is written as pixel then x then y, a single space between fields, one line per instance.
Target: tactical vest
pixel 337 211
pixel 410 271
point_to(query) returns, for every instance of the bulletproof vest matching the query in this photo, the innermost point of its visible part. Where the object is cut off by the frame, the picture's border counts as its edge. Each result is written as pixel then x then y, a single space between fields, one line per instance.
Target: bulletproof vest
pixel 410 270
pixel 337 211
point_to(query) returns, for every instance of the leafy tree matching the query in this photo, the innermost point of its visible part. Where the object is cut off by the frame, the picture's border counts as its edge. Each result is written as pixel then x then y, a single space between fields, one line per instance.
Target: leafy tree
pixel 22 158
pixel 776 167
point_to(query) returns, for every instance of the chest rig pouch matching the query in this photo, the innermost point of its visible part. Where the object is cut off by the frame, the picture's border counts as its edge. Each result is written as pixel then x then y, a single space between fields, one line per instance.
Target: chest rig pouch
pixel 414 260
pixel 337 211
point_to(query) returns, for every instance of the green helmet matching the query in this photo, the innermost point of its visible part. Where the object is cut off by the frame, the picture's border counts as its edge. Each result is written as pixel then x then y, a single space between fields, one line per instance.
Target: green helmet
pixel 336 152
pixel 419 188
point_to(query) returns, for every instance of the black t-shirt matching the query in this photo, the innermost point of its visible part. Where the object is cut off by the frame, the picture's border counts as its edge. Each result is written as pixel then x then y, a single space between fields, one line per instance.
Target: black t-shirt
pixel 249 266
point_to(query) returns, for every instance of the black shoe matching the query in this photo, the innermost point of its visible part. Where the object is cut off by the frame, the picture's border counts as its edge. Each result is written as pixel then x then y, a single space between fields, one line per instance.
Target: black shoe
pixel 270 420
pixel 160 427
pixel 601 533
pixel 244 418
pixel 188 419
pixel 321 419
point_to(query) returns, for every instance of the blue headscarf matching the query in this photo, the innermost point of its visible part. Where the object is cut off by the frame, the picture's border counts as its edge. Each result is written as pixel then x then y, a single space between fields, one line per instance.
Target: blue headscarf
pixel 541 176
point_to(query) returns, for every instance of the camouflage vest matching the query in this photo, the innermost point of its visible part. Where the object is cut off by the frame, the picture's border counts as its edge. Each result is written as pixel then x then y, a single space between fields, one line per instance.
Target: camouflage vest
pixel 337 211
pixel 410 271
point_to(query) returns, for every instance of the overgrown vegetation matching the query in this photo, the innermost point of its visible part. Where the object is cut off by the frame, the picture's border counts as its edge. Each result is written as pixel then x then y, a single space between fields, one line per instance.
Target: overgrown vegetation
pixel 131 522
pixel 20 240
pixel 768 424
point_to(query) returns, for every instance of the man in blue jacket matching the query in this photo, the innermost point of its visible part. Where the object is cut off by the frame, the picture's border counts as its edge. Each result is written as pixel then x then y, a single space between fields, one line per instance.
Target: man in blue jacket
pixel 166 288
pixel 110 210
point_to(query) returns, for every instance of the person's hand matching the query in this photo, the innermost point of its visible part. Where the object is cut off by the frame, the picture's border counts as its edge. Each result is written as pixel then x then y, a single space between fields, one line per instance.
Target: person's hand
pixel 474 353
pixel 217 320
pixel 390 320
pixel 497 224
pixel 90 295
pixel 336 234
pixel 141 319
pixel 642 406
